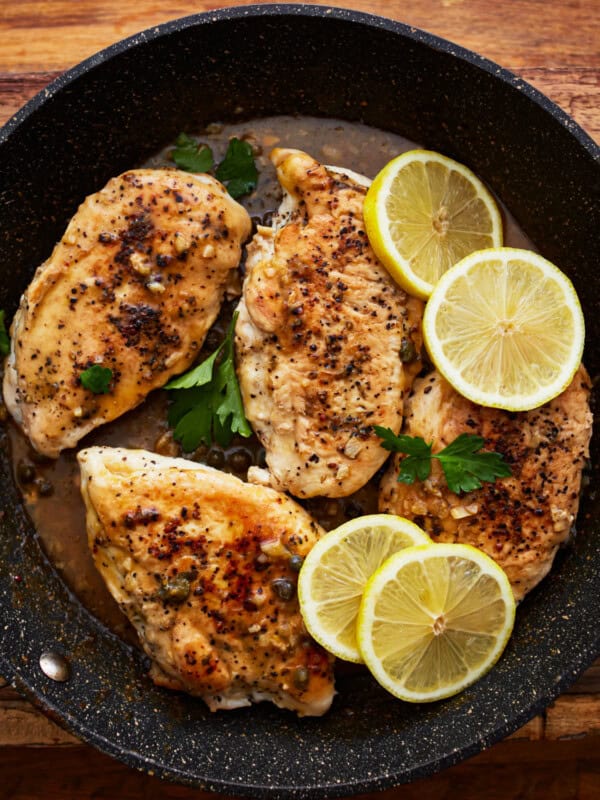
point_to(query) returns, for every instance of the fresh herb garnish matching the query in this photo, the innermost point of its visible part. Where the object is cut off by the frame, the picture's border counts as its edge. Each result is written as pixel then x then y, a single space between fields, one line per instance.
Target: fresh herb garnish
pixel 238 170
pixel 463 465
pixel 4 337
pixel 192 157
pixel 96 378
pixel 208 405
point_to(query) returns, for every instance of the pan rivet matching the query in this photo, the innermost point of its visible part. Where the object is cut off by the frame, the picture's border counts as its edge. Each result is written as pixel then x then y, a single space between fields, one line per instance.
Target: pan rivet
pixel 54 666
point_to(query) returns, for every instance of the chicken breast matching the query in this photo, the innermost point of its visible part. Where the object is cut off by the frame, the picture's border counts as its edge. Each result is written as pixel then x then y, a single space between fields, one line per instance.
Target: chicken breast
pixel 519 521
pixel 205 567
pixel 321 334
pixel 134 285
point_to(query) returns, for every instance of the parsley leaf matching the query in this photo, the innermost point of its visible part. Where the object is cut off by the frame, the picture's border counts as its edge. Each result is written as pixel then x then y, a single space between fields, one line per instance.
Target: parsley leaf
pixel 190 156
pixel 4 337
pixel 191 417
pixel 208 405
pixel 465 468
pixel 463 465
pixel 418 462
pixel 97 379
pixel 198 376
pixel 238 170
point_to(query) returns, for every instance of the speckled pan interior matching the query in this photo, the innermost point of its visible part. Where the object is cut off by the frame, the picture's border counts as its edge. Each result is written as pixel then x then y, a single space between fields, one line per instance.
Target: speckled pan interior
pixel 108 114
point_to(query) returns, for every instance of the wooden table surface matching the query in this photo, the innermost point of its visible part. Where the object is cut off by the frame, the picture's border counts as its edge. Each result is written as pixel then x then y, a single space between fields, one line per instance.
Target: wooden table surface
pixel 553 44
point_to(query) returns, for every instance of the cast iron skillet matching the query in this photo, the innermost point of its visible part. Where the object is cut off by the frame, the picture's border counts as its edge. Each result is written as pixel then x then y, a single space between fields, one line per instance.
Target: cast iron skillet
pixel 111 112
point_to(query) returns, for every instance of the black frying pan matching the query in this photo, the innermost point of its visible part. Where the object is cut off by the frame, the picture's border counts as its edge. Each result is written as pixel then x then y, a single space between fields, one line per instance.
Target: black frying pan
pixel 110 113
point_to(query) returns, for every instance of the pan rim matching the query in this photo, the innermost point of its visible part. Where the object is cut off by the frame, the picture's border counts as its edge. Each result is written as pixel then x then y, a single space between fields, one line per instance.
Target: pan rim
pixel 300 10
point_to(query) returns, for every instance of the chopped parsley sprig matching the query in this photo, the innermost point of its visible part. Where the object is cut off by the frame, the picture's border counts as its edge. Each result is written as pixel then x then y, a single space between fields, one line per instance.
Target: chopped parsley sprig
pixel 96 379
pixel 208 405
pixel 463 465
pixel 237 171
pixel 4 337
pixel 191 156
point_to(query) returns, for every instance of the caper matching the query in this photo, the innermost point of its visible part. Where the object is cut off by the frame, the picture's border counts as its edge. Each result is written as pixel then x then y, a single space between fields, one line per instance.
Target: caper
pixel 215 458
pixel 283 588
pixel 295 563
pixel 408 351
pixel 175 590
pixel 239 460
pixel 25 472
pixel 44 487
pixel 353 509
pixel 200 453
pixel 301 677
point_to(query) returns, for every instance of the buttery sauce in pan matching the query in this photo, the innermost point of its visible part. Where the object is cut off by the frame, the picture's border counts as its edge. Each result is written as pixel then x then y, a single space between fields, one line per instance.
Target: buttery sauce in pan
pixel 51 488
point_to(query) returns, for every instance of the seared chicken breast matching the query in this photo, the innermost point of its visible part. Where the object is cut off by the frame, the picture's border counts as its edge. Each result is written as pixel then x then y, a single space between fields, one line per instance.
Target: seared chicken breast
pixel 519 521
pixel 321 334
pixel 205 567
pixel 134 285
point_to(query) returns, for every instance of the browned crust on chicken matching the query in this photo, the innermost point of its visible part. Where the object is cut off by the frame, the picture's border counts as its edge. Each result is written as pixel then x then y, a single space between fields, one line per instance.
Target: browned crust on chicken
pixel 519 521
pixel 319 335
pixel 201 564
pixel 134 285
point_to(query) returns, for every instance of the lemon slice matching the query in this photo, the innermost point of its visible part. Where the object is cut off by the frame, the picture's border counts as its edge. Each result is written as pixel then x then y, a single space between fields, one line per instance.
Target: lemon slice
pixel 334 574
pixel 425 212
pixel 505 328
pixel 434 619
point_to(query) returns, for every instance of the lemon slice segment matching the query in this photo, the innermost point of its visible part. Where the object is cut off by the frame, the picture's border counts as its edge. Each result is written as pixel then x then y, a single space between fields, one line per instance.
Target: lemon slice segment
pixel 434 619
pixel 505 328
pixel 425 212
pixel 335 572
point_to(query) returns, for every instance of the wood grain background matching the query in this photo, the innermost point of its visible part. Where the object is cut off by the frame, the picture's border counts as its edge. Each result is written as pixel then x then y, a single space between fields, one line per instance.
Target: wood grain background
pixel 553 44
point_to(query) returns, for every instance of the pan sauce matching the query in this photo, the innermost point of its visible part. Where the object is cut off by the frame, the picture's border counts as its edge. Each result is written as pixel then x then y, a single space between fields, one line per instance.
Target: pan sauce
pixel 51 488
